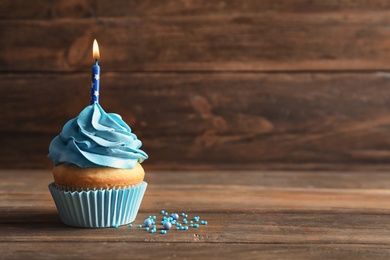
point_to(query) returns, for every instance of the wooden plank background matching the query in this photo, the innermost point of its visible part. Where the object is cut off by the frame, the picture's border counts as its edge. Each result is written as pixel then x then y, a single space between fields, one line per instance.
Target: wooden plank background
pixel 288 84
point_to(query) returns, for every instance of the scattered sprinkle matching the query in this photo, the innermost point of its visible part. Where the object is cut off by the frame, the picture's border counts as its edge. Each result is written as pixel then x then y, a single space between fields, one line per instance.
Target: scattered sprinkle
pixel 148 222
pixel 115 225
pixel 167 225
pixel 167 221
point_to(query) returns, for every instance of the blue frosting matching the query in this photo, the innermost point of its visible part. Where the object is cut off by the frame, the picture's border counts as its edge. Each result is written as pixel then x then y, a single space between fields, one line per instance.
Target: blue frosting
pixel 96 138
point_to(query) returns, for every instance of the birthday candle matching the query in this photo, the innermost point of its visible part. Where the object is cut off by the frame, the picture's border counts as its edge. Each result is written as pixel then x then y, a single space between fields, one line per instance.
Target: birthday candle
pixel 95 74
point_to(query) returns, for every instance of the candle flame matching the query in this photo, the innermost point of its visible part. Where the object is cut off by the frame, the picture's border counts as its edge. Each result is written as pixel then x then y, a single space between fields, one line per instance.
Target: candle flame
pixel 96 54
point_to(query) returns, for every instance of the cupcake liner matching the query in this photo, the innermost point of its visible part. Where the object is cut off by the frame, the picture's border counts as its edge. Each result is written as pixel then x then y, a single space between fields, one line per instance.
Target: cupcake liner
pixel 98 208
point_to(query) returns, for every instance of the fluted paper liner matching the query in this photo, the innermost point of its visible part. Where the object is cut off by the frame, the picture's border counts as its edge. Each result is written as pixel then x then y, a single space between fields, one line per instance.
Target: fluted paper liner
pixel 99 208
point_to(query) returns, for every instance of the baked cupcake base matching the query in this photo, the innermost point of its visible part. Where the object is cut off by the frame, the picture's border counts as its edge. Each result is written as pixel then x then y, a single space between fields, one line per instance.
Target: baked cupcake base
pixel 98 208
pixel 73 178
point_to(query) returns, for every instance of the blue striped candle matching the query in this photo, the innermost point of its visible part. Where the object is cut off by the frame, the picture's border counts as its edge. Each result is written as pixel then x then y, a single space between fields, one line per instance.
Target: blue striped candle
pixel 95 87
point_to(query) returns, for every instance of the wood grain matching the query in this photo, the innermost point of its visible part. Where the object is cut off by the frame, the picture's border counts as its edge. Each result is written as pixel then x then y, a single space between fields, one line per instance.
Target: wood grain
pixel 268 192
pixel 47 9
pixel 275 228
pixel 124 250
pixel 218 84
pixel 325 214
pixel 196 35
pixel 211 121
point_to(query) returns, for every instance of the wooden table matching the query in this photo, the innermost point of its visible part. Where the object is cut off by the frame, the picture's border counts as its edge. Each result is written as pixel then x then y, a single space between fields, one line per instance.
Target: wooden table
pixel 250 214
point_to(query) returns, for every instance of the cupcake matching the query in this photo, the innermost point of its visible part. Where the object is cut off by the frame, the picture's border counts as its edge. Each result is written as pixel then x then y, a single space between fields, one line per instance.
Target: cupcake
pixel 98 178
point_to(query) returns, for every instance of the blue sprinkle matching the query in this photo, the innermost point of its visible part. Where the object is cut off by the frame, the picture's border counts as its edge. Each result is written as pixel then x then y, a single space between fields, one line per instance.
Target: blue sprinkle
pixel 140 226
pixel 191 225
pixel 147 228
pixel 177 228
pixel 163 232
pixel 186 227
pixel 170 218
pixel 115 225
pixel 148 222
pixel 186 216
pixel 166 213
pixel 167 225
pixel 196 225
pixel 162 211
pixel 152 231
pixel 183 214
pixel 191 222
pixel 181 228
pixel 130 225
pixel 175 216
pixel 205 223
pixel 154 217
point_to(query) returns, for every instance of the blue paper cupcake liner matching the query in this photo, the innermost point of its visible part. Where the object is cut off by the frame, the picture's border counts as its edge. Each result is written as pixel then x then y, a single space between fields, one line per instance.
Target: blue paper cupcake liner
pixel 98 208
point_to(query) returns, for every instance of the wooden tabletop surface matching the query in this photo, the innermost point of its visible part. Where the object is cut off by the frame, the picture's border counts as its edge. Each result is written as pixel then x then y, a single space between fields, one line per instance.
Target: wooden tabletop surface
pixel 250 214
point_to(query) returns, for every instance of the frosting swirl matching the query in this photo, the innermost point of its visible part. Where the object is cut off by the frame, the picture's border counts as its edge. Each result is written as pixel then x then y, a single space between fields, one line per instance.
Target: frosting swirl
pixel 96 138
